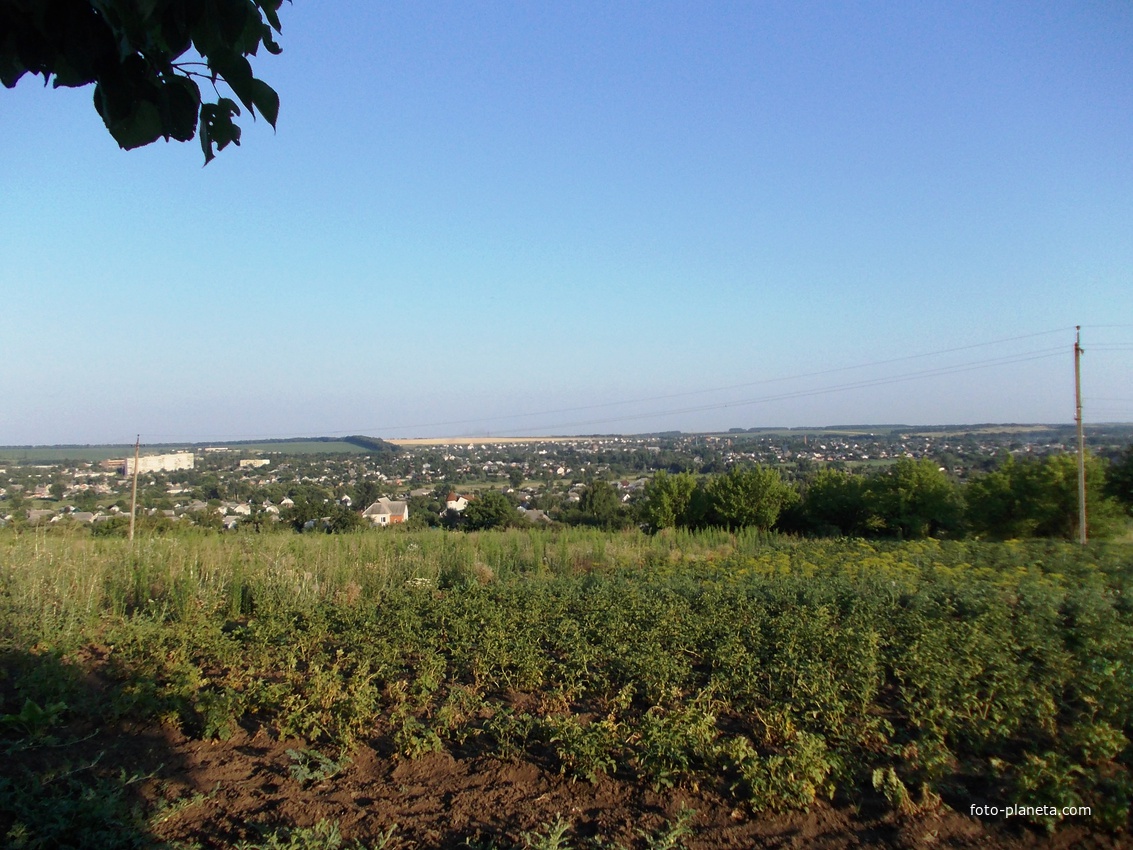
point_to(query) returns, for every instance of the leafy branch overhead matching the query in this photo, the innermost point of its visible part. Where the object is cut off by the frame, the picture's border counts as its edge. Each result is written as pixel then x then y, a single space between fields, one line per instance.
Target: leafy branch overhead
pixel 132 51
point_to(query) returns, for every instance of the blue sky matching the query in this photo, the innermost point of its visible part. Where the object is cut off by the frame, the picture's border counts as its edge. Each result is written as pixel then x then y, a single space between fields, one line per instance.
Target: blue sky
pixel 590 217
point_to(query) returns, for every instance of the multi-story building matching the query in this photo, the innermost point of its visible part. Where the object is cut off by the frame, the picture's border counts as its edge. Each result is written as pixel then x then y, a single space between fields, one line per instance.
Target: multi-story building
pixel 159 463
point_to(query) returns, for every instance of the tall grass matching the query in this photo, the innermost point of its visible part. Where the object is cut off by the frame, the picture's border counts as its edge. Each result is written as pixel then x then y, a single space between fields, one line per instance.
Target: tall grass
pixel 56 584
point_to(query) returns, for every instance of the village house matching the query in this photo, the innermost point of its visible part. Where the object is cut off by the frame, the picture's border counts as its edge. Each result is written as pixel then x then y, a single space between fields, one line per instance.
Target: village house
pixel 387 512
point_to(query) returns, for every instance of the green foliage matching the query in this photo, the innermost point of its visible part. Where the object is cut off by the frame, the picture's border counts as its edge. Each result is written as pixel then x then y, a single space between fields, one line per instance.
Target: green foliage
pixel 600 506
pixel 678 743
pixel 748 497
pixel 773 670
pixel 553 838
pixel 585 750
pixel 216 710
pixel 132 52
pixel 74 806
pixel 33 721
pixel 310 767
pixel 490 509
pixel 916 499
pixel 313 514
pixel 1039 498
pixel 838 502
pixel 790 779
pixel 1119 479
pixel 668 501
pixel 324 835
pixel 886 780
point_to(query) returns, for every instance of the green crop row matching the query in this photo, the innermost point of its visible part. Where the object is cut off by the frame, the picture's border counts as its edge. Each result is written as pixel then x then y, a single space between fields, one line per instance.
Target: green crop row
pixel 773 670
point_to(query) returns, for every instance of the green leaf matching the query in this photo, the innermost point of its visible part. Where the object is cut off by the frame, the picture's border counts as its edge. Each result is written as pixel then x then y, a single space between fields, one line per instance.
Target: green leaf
pixel 237 72
pixel 266 100
pixel 142 126
pixel 270 12
pixel 206 136
pixel 269 42
pixel 217 127
pixel 176 32
pixel 230 17
pixel 180 103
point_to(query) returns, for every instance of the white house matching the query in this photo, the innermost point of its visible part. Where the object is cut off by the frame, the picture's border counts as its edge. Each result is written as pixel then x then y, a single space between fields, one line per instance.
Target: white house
pixel 387 512
pixel 455 502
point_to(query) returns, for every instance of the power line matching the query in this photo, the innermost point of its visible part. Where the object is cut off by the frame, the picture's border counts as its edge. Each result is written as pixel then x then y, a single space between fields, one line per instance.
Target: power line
pixel 863 384
pixel 860 384
pixel 685 394
pixel 817 392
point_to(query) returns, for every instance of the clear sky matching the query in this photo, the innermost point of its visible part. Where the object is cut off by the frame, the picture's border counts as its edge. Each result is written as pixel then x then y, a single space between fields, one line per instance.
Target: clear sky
pixel 590 217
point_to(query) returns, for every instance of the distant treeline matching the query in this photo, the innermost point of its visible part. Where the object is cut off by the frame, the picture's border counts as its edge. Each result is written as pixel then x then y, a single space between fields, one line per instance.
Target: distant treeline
pixel 912 499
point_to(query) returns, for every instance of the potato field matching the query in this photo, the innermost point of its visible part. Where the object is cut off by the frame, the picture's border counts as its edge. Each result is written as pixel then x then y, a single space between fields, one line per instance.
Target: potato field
pixel 555 689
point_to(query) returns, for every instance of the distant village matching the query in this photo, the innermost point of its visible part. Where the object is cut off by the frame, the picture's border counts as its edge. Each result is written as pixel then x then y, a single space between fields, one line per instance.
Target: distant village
pixel 229 486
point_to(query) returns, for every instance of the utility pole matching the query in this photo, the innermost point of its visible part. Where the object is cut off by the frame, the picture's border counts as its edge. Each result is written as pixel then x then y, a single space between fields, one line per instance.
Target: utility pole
pixel 1081 441
pixel 134 493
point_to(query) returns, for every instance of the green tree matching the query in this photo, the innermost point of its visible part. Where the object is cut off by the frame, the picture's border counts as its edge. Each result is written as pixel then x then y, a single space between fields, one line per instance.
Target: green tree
pixel 837 502
pixel 600 505
pixel 667 500
pixel 343 519
pixel 303 511
pixel 1039 498
pixel 256 520
pixel 425 512
pixel 1119 479
pixel 86 500
pixel 915 499
pixel 490 509
pixel 748 497
pixel 208 518
pixel 132 51
pixel 366 492
pixel 515 477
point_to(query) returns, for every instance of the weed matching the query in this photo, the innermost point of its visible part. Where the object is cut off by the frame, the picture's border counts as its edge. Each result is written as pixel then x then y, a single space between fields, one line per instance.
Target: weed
pixel 71 807
pixel 311 766
pixel 167 810
pixel 34 722
pixel 324 835
pixel 673 835
pixel 553 838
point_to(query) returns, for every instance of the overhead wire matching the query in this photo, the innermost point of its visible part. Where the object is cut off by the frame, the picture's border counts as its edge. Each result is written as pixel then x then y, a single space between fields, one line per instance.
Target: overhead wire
pixel 708 390
pixel 510 422
pixel 820 391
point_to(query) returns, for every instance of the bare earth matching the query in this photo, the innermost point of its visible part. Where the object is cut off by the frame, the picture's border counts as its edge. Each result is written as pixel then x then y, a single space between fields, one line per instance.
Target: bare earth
pixel 218 793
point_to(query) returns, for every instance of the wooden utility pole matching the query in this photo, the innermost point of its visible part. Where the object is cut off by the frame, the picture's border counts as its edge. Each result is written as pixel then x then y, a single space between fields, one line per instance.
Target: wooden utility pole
pixel 1081 440
pixel 134 493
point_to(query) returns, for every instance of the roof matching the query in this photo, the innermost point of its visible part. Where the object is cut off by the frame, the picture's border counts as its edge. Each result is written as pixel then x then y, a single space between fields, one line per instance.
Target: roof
pixel 386 506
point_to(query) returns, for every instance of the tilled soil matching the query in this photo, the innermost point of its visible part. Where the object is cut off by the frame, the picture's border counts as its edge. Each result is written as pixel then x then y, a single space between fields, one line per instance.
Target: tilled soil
pixel 218 793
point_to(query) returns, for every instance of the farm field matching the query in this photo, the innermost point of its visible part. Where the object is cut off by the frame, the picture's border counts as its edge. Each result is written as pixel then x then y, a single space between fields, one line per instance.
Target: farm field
pixel 94 454
pixel 573 688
